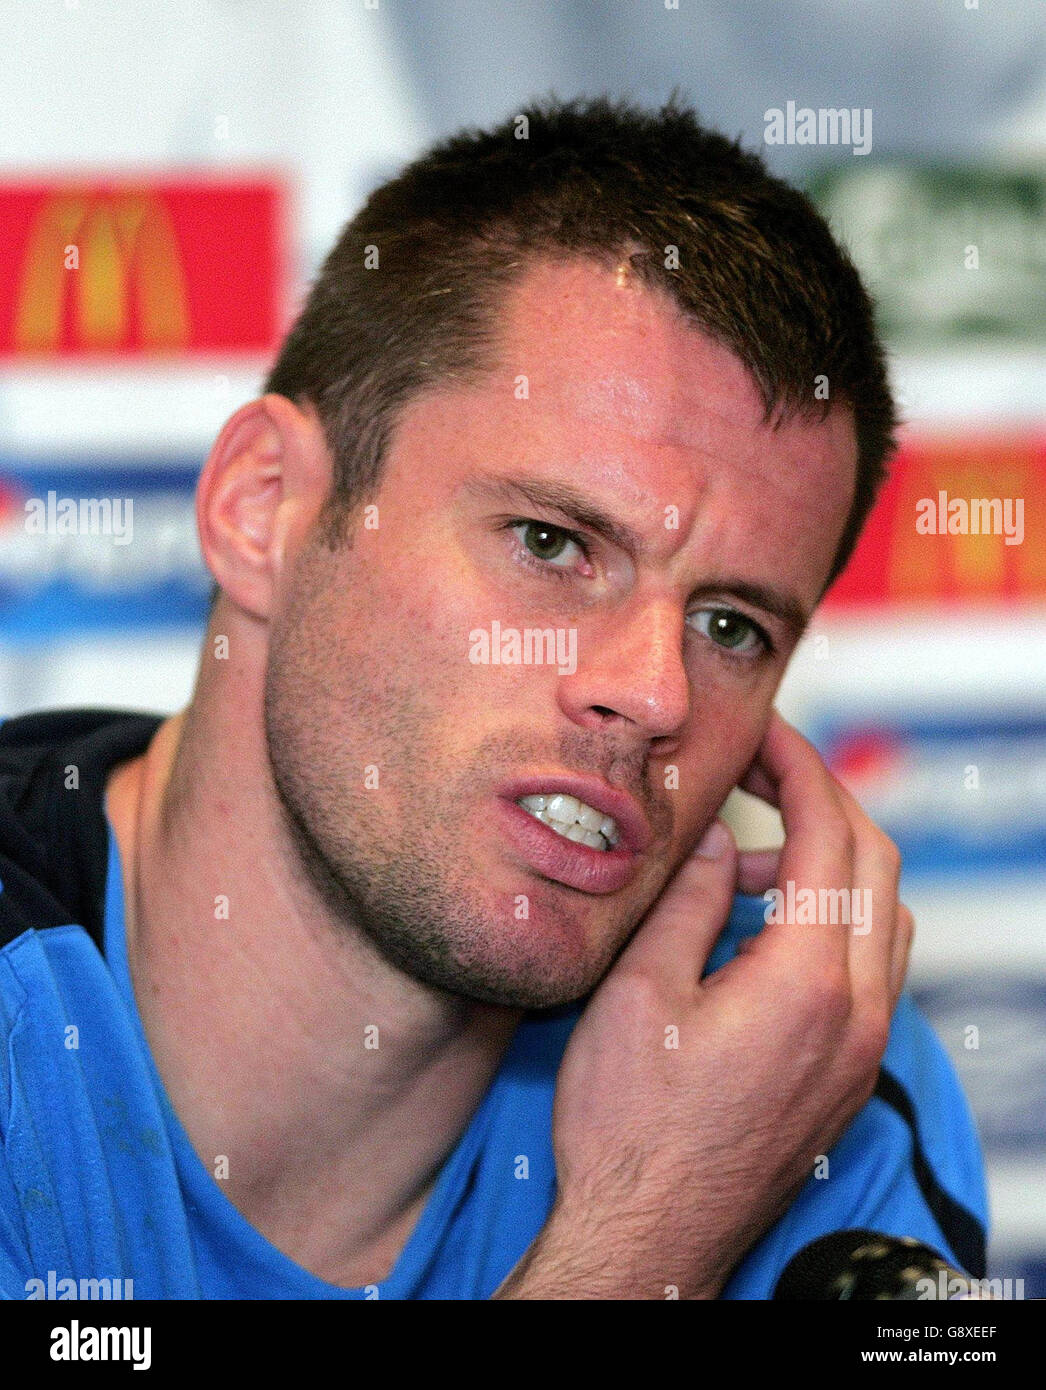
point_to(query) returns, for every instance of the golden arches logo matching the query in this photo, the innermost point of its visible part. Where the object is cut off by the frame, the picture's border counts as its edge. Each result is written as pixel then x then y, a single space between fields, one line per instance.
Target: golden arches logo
pixel 98 247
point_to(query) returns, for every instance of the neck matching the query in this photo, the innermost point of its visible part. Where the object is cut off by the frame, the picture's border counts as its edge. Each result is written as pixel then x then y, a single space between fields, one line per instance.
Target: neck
pixel 332 1083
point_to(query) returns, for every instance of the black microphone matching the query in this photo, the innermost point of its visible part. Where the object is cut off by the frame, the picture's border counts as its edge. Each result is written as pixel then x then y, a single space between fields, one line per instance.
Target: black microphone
pixel 869 1265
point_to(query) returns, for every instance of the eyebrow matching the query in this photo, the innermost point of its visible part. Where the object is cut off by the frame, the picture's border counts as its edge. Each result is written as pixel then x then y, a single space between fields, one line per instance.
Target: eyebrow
pixel 561 497
pixel 779 602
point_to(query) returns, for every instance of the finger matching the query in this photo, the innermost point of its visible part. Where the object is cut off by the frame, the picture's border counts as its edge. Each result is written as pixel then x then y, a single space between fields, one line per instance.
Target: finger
pixel 818 851
pixel 789 773
pixel 873 916
pixel 902 947
pixel 873 908
pixel 759 783
pixel 759 779
pixel 757 870
pixel 675 939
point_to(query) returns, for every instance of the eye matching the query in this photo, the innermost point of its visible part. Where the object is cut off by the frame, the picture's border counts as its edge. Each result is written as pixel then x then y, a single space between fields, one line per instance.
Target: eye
pixel 730 630
pixel 547 543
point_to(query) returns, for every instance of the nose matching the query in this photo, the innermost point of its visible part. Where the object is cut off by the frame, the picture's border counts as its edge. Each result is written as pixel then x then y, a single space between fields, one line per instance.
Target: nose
pixel 630 671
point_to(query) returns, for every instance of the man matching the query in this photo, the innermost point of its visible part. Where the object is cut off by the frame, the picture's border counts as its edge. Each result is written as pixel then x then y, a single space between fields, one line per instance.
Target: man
pixel 383 960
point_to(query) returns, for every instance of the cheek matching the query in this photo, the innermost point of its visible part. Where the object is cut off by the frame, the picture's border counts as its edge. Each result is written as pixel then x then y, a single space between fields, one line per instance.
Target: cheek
pixel 395 656
pixel 725 735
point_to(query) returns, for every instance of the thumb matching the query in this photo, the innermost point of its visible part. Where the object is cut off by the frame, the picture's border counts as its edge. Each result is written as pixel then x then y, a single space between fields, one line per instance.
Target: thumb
pixel 675 938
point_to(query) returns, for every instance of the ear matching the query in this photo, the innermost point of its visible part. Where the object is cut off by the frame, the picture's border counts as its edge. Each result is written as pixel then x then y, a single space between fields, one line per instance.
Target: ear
pixel 261 488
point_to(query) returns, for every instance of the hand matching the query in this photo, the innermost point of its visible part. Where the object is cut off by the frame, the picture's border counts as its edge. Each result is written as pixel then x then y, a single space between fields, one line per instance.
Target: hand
pixel 673 1160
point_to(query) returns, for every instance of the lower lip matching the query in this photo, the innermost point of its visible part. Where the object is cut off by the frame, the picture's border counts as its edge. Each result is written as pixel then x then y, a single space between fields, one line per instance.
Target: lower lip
pixel 565 861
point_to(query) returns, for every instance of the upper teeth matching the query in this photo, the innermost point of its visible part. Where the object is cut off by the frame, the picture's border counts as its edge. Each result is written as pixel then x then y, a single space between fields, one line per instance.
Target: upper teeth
pixel 568 816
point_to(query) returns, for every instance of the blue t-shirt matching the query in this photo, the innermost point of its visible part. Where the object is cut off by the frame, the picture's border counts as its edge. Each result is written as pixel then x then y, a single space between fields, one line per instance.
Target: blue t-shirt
pixel 98 1179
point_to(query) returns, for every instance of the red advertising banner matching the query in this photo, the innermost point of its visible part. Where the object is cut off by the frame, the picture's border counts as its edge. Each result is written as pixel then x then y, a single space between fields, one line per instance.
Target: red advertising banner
pixel 137 267
pixel 961 519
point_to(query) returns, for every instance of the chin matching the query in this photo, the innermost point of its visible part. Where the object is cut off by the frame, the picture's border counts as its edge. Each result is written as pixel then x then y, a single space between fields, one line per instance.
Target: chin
pixel 526 992
pixel 537 967
pixel 547 964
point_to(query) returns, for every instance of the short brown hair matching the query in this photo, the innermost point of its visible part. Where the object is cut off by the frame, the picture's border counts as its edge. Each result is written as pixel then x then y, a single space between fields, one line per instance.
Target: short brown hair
pixel 408 297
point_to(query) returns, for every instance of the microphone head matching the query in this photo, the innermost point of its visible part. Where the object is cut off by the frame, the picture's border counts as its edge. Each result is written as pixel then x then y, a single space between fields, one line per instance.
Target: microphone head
pixel 858 1264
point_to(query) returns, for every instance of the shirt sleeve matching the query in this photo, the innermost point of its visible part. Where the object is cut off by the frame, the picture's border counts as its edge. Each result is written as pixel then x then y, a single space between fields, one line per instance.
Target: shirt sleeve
pixel 13 1257
pixel 909 1164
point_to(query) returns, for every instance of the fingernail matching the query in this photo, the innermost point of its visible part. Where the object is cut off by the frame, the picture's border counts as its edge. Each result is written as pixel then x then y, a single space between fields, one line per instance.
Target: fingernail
pixel 715 842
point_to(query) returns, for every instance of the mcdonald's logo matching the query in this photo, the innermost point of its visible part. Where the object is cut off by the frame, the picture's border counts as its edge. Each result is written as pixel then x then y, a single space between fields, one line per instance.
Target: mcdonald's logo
pixel 100 249
pixel 136 268
pixel 899 560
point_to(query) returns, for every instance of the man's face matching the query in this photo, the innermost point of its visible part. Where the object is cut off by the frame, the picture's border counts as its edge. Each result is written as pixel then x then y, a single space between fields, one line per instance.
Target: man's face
pixel 611 481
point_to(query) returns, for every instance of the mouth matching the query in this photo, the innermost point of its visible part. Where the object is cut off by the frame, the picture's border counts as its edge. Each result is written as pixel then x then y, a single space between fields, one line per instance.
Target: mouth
pixel 576 830
pixel 575 820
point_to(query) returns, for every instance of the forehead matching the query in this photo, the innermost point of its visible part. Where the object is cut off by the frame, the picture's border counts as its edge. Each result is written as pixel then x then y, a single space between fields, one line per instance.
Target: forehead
pixel 602 382
pixel 601 344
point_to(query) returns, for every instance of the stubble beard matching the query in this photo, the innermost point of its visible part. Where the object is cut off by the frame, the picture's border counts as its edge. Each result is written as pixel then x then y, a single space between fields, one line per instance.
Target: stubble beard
pixel 419 909
pixel 409 890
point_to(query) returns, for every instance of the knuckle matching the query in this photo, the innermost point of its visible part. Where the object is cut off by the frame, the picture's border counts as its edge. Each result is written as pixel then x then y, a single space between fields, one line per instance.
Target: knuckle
pixel 834 1002
pixel 868 1041
pixel 888 857
pixel 633 993
pixel 840 839
pixel 869 1082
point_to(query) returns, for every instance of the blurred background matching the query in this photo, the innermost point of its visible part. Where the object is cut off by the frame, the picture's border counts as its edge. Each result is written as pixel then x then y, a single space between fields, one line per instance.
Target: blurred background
pixel 170 176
